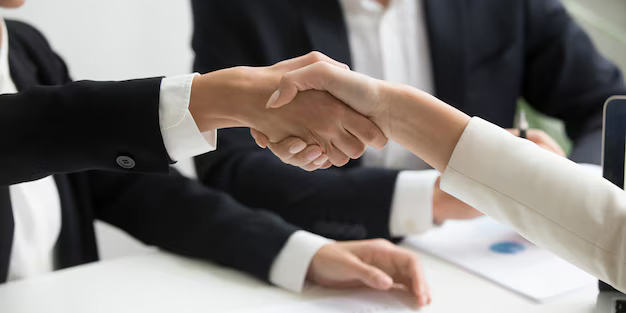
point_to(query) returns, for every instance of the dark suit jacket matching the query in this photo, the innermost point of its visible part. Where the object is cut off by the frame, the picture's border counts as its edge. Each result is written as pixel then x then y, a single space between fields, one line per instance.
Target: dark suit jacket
pixel 83 126
pixel 485 56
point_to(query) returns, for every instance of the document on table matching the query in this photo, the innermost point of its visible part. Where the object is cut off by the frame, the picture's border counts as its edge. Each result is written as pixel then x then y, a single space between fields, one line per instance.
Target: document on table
pixel 498 253
pixel 362 301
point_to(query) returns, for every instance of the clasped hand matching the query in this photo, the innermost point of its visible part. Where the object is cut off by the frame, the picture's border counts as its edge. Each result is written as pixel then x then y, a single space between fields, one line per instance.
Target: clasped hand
pixel 238 96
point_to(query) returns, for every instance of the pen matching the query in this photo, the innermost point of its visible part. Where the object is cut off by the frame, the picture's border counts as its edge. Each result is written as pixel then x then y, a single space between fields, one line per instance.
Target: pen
pixel 523 125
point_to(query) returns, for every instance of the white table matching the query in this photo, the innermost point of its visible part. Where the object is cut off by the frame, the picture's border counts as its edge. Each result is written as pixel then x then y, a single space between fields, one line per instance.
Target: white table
pixel 159 282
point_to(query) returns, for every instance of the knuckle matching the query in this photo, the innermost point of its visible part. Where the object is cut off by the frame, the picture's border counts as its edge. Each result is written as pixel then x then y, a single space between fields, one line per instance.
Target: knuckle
pixel 277 150
pixel 341 161
pixel 322 66
pixel 293 161
pixel 287 79
pixel 327 67
pixel 357 151
pixel 284 159
pixel 381 243
pixel 301 158
pixel 282 152
pixel 303 161
pixel 370 133
pixel 413 261
pixel 316 56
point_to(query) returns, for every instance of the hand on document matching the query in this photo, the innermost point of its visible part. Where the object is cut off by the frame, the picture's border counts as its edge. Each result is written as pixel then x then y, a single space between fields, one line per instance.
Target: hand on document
pixel 377 264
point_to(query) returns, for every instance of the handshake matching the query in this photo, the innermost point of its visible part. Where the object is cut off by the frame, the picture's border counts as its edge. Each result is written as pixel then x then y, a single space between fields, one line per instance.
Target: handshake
pixel 316 129
pixel 313 112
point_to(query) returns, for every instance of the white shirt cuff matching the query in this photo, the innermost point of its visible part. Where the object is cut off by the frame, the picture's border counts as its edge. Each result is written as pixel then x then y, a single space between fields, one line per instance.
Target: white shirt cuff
pixel 412 204
pixel 181 135
pixel 291 266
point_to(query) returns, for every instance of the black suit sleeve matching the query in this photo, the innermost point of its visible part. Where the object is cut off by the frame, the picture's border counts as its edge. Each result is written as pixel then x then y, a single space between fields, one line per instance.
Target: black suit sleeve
pixel 79 126
pixel 184 217
pixel 345 204
pixel 566 77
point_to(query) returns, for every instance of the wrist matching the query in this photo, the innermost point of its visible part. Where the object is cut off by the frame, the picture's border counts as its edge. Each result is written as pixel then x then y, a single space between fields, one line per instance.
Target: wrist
pixel 382 115
pixel 229 98
pixel 423 124
pixel 397 108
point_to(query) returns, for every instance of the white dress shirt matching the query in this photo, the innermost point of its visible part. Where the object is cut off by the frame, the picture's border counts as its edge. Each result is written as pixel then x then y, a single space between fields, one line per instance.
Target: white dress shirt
pixel 391 43
pixel 552 201
pixel 36 205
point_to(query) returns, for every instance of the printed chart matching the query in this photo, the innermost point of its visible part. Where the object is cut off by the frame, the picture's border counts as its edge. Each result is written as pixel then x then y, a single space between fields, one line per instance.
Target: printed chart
pixel 499 254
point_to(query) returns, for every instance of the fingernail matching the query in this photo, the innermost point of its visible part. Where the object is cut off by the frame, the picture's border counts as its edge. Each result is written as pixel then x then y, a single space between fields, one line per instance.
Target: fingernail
pixel 297 147
pixel 272 100
pixel 422 301
pixel 384 281
pixel 320 161
pixel 313 155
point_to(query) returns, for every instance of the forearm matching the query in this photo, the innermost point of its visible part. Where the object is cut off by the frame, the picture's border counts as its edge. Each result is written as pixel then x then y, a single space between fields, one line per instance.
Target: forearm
pixel 479 165
pixel 423 124
pixel 229 98
pixel 80 126
pixel 552 201
pixel 182 216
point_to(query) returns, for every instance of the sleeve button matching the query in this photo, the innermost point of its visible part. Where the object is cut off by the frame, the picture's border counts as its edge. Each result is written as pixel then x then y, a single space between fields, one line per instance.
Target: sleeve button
pixel 125 162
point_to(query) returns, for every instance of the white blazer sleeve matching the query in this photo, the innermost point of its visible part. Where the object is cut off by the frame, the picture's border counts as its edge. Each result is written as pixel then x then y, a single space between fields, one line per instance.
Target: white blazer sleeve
pixel 550 200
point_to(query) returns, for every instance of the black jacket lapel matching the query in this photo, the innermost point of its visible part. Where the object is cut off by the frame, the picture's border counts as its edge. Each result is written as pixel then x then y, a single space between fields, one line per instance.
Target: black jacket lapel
pixel 324 22
pixel 6 232
pixel 447 26
pixel 7 224
pixel 23 72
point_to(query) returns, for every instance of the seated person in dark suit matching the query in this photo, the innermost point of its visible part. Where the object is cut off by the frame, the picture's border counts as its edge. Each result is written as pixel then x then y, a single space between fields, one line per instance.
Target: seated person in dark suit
pixel 479 56
pixel 69 159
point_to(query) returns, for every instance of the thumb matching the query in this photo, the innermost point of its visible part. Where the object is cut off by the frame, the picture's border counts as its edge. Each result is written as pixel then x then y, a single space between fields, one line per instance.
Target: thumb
pixel 371 276
pixel 315 76
pixel 260 138
pixel 356 90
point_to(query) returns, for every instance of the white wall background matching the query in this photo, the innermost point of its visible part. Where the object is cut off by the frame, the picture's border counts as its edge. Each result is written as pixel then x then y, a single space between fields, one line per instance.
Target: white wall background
pixel 115 40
